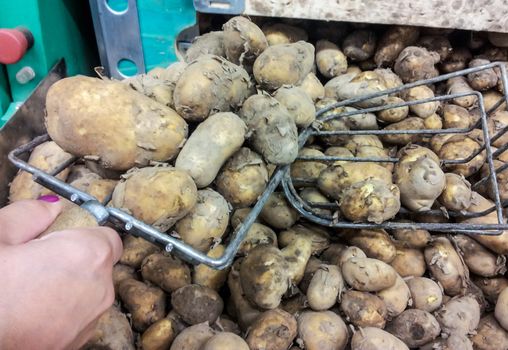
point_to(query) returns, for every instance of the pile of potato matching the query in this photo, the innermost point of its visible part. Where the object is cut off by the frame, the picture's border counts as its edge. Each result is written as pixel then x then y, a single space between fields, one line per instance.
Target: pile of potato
pixel 190 148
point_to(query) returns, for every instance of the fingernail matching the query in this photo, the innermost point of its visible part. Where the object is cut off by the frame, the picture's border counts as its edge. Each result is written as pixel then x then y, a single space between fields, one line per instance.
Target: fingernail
pixel 50 198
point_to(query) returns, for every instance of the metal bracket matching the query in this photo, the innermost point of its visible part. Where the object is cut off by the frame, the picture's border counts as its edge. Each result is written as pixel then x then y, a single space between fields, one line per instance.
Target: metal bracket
pixel 118 37
pixel 231 7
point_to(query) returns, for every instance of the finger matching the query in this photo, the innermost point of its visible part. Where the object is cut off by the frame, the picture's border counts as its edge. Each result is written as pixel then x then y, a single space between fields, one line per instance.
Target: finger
pixel 84 336
pixel 24 220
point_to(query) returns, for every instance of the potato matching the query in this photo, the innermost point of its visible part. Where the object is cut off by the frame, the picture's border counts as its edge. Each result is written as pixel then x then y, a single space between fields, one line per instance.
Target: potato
pixel 359 45
pixel 95 186
pixel 146 304
pixel 393 115
pixel 207 222
pixel 368 275
pixel 412 238
pixel 376 244
pixel 197 304
pixel 208 277
pixel 312 195
pixel 211 43
pixel 420 181
pixel 153 87
pixel 459 85
pixel 209 85
pixel 258 234
pixel 313 265
pixel 112 331
pixel 425 293
pixel 243 41
pixel 460 315
pixel 456 60
pixel 451 342
pixel 47 156
pixel 193 337
pixel 373 338
pixel 392 42
pixel 225 341
pixel 210 145
pixel 456 117
pixel 436 43
pixel 135 250
pixel 478 259
pixel 312 87
pixel 365 83
pixel 491 98
pixel 319 238
pixel 483 79
pixel 414 327
pixel 295 304
pixel 122 272
pixel 159 196
pixel 342 152
pixel 274 132
pixel 409 123
pixel 122 128
pixel 283 64
pixel 434 122
pixel 491 287
pixel 408 262
pixel 298 103
pixel 375 152
pixel 282 33
pixel 396 298
pixel 349 253
pixel 165 271
pixel 325 287
pixel 159 335
pixel 334 180
pixel 416 63
pixel 278 213
pixel 460 147
pixel 501 310
pixel 356 142
pixel 417 93
pixel 246 313
pixel 224 324
pixel 332 86
pixel 497 122
pixel 446 266
pixel 330 60
pixel 489 335
pixel 323 330
pixel 273 330
pixel 243 178
pixel 370 200
pixel 363 309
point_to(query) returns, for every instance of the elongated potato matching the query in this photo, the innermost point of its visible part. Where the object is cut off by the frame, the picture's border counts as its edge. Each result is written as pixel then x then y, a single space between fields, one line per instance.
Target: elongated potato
pixel 501 310
pixel 186 299
pixel 457 193
pixel 393 115
pixel 478 259
pixel 210 145
pixel 396 297
pixel 330 60
pixel 282 33
pixel 312 87
pixel 278 213
pixel 459 85
pixel 206 222
pixel 159 335
pixel 323 330
pixel 365 83
pixel 368 275
pixel 121 127
pixel 325 287
pixel 461 147
pixel 284 64
pixel 422 110
pixel 258 234
pixel 274 132
pixel 459 315
pixel 112 331
pixel 446 266
pixel 408 262
pixel 313 195
pixel 392 42
pixel 412 238
pixel 409 123
pixel 211 43
pixel 298 103
pixel 489 335
pixel 363 309
pixel 373 338
pixel 165 271
pixel 208 277
pixel 449 342
pixel 376 244
pixel 414 327
pixel 273 330
pixel 243 41
pixel 209 85
pixel 426 294
pixel 319 238
pixel 159 196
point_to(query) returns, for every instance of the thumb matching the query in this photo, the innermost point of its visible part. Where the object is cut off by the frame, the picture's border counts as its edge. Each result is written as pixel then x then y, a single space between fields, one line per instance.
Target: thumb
pixel 24 220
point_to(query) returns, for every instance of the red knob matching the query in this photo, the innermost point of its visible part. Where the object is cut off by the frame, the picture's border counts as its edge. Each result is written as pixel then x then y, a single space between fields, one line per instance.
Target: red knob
pixel 13 45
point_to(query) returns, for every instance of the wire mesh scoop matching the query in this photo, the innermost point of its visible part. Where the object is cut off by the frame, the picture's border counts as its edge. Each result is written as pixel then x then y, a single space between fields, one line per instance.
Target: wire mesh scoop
pixel 129 224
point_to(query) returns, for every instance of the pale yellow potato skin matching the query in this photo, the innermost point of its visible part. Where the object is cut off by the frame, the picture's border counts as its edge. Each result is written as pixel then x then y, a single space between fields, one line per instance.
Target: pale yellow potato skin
pixel 108 121
pixel 368 275
pixel 323 330
pixel 112 331
pixel 225 341
pixel 159 335
pixel 372 338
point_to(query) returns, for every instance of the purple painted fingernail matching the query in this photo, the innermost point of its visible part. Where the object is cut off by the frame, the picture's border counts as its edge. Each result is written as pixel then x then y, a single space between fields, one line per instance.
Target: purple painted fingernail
pixel 50 198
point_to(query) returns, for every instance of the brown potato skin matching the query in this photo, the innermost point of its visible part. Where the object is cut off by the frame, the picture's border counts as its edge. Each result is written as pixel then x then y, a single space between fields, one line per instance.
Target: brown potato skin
pixel 414 327
pixel 368 275
pixel 307 170
pixel 459 315
pixel 422 110
pixel 425 293
pixel 457 60
pixel 325 287
pixel 208 277
pixel 225 341
pixel 122 272
pixel 112 331
pixel 122 128
pixel 491 287
pixel 372 338
pixel 135 250
pixel 416 63
pixel 359 45
pixel 483 79
pixel 165 271
pixel 273 330
pixel 409 123
pixel 363 309
pixel 393 115
pixel 478 259
pixel 159 335
pixel 146 304
pixel 258 234
pixel 412 238
pixel 319 238
pixel 211 43
pixel 323 330
pixel 282 33
pixel 396 297
pixel 457 193
pixel 330 60
pixel 376 244
pixel 312 87
pixel 243 41
pixel 501 310
pixel 489 335
pixel 193 337
pixel 196 304
pixel 278 213
pixel 408 262
pixel 392 42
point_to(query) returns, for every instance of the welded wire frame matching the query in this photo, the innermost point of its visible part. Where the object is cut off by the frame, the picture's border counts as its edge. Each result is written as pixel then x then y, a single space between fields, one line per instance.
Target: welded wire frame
pixel 128 223
pixel 309 210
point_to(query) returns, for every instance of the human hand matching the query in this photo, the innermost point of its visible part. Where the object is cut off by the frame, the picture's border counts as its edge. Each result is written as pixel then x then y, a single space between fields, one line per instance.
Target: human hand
pixel 53 288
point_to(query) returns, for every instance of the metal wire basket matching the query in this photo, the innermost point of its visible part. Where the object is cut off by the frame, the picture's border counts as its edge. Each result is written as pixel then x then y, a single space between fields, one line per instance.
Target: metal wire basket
pixel 311 212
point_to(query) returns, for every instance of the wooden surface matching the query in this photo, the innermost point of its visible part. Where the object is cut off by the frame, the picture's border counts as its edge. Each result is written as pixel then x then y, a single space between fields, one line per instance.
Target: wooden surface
pixel 489 15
